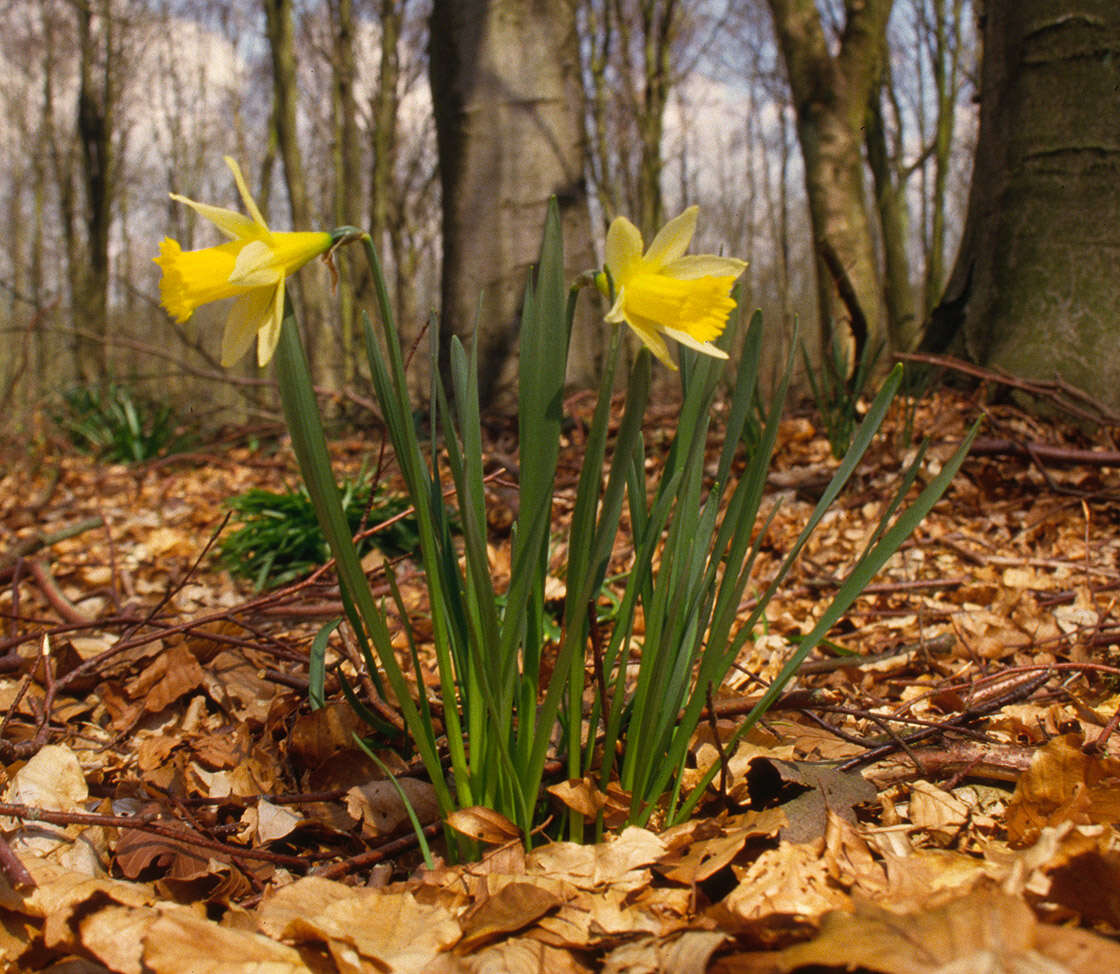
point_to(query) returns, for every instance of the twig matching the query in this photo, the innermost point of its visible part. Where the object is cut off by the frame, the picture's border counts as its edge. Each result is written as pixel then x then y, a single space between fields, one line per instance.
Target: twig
pixel 29 813
pixel 1057 390
pixel 39 540
pixel 1020 692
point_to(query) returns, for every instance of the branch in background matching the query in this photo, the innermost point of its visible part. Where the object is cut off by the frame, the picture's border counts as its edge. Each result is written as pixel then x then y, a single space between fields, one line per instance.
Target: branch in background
pixel 1076 402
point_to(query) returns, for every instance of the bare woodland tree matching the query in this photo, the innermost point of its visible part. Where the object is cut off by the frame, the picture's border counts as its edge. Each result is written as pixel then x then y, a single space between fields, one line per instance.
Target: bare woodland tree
pixel 831 92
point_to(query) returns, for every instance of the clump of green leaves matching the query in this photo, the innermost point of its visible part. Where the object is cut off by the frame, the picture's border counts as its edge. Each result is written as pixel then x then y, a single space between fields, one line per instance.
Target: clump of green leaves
pixel 279 539
pixel 113 422
pixel 510 695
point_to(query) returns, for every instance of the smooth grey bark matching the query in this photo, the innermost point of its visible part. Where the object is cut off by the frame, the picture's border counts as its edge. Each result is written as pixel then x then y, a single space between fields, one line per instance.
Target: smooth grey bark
pixel 505 86
pixel 1036 286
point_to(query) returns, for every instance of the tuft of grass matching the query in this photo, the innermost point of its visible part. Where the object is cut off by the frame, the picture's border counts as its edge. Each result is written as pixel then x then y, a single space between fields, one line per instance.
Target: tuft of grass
pixel 279 539
pixel 113 422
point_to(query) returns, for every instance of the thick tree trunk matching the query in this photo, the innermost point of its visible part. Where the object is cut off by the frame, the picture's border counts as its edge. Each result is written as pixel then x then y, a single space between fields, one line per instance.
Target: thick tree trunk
pixel 505 83
pixel 830 93
pixel 1036 287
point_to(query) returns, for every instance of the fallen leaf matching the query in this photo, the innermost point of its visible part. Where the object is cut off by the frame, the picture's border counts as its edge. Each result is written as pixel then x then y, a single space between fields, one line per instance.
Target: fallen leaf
pixel 180 941
pixel 515 906
pixel 484 825
pixel 617 862
pixel 1063 784
pixel 984 931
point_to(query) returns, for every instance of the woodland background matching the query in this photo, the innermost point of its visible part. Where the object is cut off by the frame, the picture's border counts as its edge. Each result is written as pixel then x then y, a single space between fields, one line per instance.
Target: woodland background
pixel 106 106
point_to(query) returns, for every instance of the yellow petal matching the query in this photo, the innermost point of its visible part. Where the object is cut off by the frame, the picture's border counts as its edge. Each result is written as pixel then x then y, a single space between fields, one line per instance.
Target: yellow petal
pixel 623 251
pixel 616 314
pixel 692 266
pixel 269 335
pixel 706 348
pixel 233 224
pixel 246 196
pixel 255 266
pixel 195 277
pixel 672 240
pixel 699 307
pixel 249 314
pixel 648 333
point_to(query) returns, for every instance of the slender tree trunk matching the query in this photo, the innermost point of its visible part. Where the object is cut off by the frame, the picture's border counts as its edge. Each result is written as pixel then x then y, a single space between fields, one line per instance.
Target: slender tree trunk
pixel 903 324
pixel 285 95
pixel 946 72
pixel 830 93
pixel 1036 286
pixel 280 27
pixel 504 77
pixel 96 107
pixel 659 19
pixel 346 162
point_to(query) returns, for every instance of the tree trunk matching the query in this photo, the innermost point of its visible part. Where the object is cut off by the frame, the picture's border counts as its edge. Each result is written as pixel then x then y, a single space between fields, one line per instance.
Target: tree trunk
pixel 96 107
pixel 1036 286
pixel 504 77
pixel 890 178
pixel 346 160
pixel 280 26
pixel 830 93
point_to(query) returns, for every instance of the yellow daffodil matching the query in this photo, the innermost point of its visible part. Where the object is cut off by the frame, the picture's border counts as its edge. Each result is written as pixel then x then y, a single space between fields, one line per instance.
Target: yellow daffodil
pixel 251 267
pixel 665 292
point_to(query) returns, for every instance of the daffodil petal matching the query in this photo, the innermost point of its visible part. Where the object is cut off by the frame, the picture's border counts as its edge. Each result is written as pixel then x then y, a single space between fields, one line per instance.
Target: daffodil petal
pixel 246 196
pixel 650 335
pixel 623 250
pixel 233 224
pixel 616 315
pixel 269 335
pixel 248 314
pixel 256 265
pixel 692 266
pixel 672 240
pixel 707 348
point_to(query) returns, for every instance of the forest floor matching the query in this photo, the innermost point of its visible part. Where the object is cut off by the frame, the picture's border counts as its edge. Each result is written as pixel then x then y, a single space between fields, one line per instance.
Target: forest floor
pixel 945 799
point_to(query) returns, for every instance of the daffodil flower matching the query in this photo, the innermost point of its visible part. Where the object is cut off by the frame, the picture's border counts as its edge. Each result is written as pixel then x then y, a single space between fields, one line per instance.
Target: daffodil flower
pixel 251 267
pixel 663 292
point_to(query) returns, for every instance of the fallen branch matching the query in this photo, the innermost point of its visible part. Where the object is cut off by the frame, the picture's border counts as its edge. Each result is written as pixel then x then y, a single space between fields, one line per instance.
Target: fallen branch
pixel 39 541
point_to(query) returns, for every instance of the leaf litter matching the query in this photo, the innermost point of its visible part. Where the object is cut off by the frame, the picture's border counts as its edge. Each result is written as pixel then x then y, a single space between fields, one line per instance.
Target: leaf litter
pixel 939 790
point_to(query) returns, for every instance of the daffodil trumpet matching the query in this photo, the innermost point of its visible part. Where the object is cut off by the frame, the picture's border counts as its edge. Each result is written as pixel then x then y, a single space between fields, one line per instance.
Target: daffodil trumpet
pixel 665 293
pixel 251 267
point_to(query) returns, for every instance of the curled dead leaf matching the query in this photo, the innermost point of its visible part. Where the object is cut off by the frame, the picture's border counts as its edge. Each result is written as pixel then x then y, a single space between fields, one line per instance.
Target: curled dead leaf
pixel 484 825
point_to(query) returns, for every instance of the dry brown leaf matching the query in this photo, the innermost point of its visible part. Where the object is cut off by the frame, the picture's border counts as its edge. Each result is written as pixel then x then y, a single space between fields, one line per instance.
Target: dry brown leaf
pixel 939 812
pixel 391 928
pixel 138 850
pixel 617 862
pixel 180 941
pixel 984 931
pixel 1063 784
pixel 114 935
pixel 52 779
pixel 686 953
pixel 484 825
pixel 271 822
pixel 582 797
pixel 708 856
pixel 171 675
pixel 378 806
pixel 792 880
pixel 514 907
pixel 523 955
